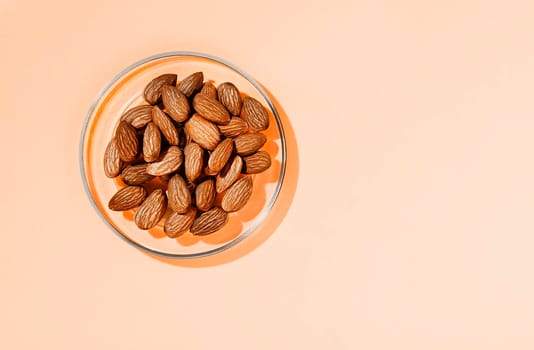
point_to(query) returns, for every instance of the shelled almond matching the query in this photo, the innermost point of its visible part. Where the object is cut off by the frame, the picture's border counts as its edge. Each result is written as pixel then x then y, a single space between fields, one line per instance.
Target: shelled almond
pixel 188 157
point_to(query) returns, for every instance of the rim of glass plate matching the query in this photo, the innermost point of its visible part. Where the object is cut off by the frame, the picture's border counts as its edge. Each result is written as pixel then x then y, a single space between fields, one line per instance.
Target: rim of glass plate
pixel 263 214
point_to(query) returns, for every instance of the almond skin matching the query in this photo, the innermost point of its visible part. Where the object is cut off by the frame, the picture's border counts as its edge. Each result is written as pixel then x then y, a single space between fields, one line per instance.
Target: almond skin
pixel 191 84
pixel 219 156
pixel 209 222
pixel 138 112
pixel 237 195
pixel 126 139
pixel 151 143
pixel 229 174
pixel 152 91
pixel 257 163
pixel 136 175
pixel 177 224
pixel 170 162
pixel 230 98
pixel 211 109
pixel 112 160
pixel 151 210
pixel 175 103
pixel 193 161
pixel 249 143
pixel 205 195
pixel 202 131
pixel 166 126
pixel 235 127
pixel 127 198
pixel 209 89
pixel 254 114
pixel 178 194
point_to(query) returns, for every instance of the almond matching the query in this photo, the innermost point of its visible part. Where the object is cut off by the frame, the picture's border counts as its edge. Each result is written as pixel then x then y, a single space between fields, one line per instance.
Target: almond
pixel 209 89
pixel 152 91
pixel 112 159
pixel 165 125
pixel 141 121
pixel 138 112
pixel 193 161
pixel 191 84
pixel 258 162
pixel 178 194
pixel 249 143
pixel 219 156
pixel 211 109
pixel 228 175
pixel 209 222
pixel 235 127
pixel 175 103
pixel 151 210
pixel 230 98
pixel 237 195
pixel 151 143
pixel 136 175
pixel 177 224
pixel 205 195
pixel 202 131
pixel 254 114
pixel 170 162
pixel 127 198
pixel 127 143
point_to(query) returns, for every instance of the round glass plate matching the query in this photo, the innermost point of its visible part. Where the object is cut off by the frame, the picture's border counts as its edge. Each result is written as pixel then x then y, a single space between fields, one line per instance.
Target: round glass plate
pixel 125 91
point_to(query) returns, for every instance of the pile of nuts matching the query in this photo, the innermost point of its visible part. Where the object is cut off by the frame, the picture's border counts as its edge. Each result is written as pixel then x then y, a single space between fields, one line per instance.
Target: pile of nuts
pixel 199 142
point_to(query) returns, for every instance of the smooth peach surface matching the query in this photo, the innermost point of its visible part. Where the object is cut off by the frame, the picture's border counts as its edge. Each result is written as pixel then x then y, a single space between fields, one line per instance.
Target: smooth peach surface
pixel 407 219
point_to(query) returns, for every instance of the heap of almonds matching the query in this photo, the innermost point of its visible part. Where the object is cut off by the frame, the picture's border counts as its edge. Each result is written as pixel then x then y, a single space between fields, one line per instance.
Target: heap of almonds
pixel 198 143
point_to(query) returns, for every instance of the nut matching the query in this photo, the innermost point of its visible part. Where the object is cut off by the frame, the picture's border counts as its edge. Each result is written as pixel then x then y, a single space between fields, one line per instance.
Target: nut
pixel 151 210
pixel 127 198
pixel 209 222
pixel 254 114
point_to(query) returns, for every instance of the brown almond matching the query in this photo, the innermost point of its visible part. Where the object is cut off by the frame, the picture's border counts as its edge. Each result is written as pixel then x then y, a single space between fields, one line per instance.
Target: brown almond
pixel 237 195
pixel 177 224
pixel 127 198
pixel 141 121
pixel 235 127
pixel 254 114
pixel 249 143
pixel 127 143
pixel 137 112
pixel 205 195
pixel 136 175
pixel 230 98
pixel 178 194
pixel 170 162
pixel 202 131
pixel 152 91
pixel 257 163
pixel 209 89
pixel 191 84
pixel 219 156
pixel 193 161
pixel 211 109
pixel 112 160
pixel 151 210
pixel 209 222
pixel 175 103
pixel 151 143
pixel 166 126
pixel 228 174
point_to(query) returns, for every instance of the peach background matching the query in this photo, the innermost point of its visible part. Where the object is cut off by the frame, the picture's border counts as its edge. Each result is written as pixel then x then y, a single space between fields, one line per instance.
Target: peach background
pixel 412 225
